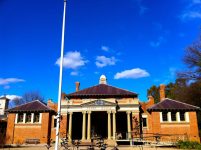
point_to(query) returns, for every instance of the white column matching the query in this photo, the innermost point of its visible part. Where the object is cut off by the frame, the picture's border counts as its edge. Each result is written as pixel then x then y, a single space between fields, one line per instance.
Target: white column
pixel 114 125
pixel 89 126
pixel 70 126
pixel 178 116
pixel 169 117
pixel 16 118
pixel 32 117
pixel 128 124
pixel 83 125
pixel 40 117
pixel 161 117
pixel 109 125
pixel 187 116
pixel 24 118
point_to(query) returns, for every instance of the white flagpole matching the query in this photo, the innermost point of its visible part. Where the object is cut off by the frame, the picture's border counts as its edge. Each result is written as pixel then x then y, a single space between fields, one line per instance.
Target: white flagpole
pixel 60 79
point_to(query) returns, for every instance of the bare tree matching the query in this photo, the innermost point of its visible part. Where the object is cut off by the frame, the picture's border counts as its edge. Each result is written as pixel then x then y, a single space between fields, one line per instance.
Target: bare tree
pixel 192 59
pixel 17 101
pixel 27 97
pixel 32 95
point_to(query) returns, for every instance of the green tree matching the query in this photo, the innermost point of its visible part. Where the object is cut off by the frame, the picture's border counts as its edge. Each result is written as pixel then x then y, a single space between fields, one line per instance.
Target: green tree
pixel 154 91
pixel 175 90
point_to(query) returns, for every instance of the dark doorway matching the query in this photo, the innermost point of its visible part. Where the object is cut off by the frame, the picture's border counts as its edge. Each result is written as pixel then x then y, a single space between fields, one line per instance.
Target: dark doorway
pixel 99 124
pixel 121 125
pixel 77 125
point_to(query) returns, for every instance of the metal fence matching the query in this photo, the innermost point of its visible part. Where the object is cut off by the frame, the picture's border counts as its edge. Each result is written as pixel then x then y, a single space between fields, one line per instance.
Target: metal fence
pixel 151 138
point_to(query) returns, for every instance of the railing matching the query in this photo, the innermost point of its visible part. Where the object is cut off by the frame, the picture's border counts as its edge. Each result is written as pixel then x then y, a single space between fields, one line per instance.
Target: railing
pixel 151 138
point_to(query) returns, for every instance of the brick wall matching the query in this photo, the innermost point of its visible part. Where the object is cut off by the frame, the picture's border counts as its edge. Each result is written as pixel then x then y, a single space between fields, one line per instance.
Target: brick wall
pixel 18 133
pixel 178 130
pixel 10 129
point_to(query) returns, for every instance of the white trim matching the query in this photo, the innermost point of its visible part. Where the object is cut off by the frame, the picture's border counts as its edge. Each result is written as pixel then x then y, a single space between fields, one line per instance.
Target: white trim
pixel 169 117
pixel 178 116
pixel 89 108
pixel 16 117
pixel 144 115
pixel 187 116
pixel 128 108
pixel 24 117
pixel 40 117
pixel 161 117
pixel 32 117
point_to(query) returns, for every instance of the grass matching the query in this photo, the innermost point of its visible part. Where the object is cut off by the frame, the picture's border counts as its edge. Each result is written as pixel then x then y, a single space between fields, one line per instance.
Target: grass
pixel 189 145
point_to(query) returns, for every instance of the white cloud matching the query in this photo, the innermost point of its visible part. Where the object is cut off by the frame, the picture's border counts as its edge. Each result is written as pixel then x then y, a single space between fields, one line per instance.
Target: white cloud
pixel 196 1
pixel 6 87
pixel 72 60
pixel 142 8
pixel 74 73
pixel 6 81
pixel 12 97
pixel 96 72
pixel 132 74
pixel 105 48
pixel 102 61
pixel 191 11
pixel 190 15
pixel 158 42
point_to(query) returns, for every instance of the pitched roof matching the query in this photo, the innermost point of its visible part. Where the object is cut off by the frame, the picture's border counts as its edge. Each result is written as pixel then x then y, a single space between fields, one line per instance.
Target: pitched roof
pixel 4 98
pixel 170 105
pixel 101 91
pixel 34 106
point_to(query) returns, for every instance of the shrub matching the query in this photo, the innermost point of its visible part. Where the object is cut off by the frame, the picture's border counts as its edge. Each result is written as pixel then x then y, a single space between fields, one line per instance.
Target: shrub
pixel 189 145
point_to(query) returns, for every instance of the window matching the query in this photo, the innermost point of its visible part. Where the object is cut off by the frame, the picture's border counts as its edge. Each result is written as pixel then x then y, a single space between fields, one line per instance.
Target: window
pixel 28 118
pixel 20 117
pixel 173 116
pixel 144 122
pixel 36 117
pixel 164 116
pixel 55 123
pixel 182 116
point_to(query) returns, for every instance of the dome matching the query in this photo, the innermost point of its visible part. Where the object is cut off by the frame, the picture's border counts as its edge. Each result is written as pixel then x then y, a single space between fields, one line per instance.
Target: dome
pixel 103 79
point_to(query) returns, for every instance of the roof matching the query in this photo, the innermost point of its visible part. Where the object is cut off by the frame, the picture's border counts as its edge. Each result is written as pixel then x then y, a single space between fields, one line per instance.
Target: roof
pixel 4 98
pixel 102 91
pixel 34 106
pixel 170 105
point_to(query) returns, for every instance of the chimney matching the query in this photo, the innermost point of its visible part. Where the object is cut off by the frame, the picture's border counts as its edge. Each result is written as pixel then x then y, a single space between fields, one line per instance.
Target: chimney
pixel 162 92
pixel 77 85
pixel 49 102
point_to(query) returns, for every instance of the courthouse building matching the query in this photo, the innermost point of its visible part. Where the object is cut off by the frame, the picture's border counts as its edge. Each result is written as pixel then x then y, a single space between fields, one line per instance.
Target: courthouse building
pixel 105 111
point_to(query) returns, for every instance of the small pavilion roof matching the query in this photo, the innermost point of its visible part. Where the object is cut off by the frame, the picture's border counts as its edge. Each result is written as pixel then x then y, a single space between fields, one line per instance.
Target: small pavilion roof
pixel 172 105
pixel 102 91
pixel 33 106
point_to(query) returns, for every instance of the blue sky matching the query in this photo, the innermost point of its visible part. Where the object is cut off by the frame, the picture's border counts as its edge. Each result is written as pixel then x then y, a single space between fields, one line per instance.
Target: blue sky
pixel 135 43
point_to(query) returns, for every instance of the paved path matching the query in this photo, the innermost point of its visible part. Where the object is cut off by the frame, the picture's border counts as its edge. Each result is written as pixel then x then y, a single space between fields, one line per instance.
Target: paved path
pixel 85 148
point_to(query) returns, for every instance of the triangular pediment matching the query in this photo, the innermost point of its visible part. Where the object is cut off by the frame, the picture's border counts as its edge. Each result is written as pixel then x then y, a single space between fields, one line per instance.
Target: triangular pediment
pixel 99 102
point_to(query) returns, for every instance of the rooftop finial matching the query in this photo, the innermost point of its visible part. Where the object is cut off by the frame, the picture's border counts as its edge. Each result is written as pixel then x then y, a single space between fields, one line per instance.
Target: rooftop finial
pixel 103 79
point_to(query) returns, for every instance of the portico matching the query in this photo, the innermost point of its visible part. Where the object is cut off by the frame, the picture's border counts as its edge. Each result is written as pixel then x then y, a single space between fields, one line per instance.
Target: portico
pixel 98 107
pixel 102 112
